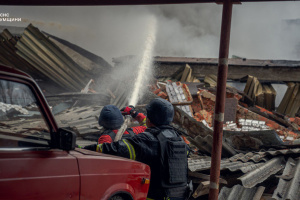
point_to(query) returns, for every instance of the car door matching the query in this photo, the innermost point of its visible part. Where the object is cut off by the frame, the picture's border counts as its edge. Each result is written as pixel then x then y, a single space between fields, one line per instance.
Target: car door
pixel 29 168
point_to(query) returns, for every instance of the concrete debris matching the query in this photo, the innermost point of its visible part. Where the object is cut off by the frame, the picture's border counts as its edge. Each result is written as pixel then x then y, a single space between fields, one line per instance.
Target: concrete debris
pixel 179 95
pixel 246 125
pixel 247 130
pixel 259 148
pixel 9 108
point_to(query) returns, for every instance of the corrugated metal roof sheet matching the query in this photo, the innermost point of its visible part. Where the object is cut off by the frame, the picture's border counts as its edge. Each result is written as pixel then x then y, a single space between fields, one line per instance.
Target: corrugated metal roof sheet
pixel 239 161
pixel 260 174
pixel 256 157
pixel 122 96
pixel 204 145
pixel 85 59
pixel 289 183
pixel 239 192
pixel 283 151
pixel 8 54
pixel 35 47
pixel 82 120
pixel 14 30
pixel 201 164
pixel 37 55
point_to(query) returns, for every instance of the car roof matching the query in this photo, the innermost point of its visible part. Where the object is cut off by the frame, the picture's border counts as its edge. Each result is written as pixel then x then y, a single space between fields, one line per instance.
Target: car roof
pixel 12 70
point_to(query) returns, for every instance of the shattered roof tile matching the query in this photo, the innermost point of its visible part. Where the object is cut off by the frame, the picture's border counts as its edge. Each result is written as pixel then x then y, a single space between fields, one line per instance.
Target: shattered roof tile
pixel 247 157
pixel 289 183
pixel 239 192
pixel 205 163
pixel 263 172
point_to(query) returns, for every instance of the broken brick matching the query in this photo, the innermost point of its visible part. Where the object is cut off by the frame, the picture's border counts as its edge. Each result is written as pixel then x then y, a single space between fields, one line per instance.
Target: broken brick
pixel 297 121
pixel 162 95
pixel 157 91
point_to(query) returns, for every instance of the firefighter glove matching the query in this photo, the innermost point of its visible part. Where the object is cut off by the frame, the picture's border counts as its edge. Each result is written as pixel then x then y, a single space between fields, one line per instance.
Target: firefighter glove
pixel 128 110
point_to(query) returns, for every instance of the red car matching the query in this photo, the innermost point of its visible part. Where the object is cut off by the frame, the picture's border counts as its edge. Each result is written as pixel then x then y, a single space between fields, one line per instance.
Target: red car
pixel 38 160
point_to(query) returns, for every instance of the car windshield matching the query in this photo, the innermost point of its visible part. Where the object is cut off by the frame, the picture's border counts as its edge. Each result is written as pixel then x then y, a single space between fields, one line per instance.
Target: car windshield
pixel 21 122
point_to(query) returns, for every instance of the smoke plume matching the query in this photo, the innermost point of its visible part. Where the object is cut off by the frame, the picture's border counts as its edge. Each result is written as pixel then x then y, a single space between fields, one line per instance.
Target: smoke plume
pixel 259 30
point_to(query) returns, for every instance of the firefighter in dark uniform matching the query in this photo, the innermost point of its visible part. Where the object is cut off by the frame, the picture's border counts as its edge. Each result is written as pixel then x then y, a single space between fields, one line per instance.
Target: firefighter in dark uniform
pixel 160 147
pixel 111 118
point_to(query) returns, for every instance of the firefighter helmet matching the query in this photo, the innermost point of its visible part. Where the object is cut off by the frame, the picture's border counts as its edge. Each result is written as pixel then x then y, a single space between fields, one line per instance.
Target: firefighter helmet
pixel 111 117
pixel 160 112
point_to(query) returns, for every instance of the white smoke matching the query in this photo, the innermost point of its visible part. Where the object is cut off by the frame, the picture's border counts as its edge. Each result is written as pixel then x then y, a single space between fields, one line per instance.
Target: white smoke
pixel 259 30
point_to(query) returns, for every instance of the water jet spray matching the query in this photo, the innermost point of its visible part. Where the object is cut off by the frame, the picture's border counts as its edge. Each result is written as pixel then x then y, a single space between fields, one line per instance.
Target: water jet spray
pixel 145 65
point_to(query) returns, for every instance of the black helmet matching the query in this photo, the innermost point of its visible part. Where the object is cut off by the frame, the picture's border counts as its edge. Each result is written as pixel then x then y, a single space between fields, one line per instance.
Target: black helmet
pixel 160 112
pixel 111 117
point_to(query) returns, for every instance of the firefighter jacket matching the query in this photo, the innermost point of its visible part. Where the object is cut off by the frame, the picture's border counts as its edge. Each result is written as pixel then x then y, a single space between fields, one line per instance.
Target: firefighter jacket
pixel 108 136
pixel 164 151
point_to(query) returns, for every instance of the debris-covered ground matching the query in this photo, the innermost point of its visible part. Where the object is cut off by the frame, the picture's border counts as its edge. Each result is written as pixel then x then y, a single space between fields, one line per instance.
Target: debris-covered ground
pixel 261 143
pixel 261 151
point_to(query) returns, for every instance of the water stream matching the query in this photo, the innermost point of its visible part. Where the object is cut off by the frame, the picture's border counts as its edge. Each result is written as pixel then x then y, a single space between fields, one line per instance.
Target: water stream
pixel 145 64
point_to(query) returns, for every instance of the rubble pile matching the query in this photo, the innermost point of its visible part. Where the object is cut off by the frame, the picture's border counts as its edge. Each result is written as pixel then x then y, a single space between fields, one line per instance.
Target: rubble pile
pixel 259 145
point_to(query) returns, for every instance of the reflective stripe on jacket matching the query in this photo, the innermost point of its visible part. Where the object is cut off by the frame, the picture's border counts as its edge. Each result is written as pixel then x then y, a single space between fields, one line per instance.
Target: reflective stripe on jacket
pixel 108 136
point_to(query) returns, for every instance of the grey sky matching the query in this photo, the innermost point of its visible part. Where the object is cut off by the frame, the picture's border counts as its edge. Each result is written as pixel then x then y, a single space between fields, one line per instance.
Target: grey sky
pixel 259 30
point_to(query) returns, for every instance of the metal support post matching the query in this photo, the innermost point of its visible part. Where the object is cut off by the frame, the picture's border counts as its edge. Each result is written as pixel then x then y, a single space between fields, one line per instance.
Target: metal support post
pixel 220 100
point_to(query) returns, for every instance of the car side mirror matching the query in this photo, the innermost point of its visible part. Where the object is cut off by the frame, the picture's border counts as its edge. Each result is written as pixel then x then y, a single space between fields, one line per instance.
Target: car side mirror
pixel 67 139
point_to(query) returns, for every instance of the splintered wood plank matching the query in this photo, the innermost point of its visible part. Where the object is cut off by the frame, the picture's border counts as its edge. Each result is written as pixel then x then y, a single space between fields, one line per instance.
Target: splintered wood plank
pixel 202 189
pixel 284 102
pixel 292 98
pixel 186 73
pixel 248 84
